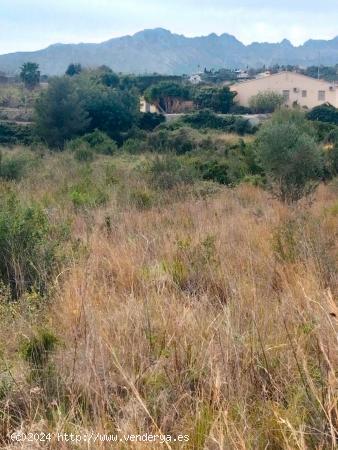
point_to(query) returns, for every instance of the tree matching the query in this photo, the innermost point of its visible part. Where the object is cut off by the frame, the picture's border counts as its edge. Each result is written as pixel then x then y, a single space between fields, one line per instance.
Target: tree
pixel 110 110
pixel 289 155
pixel 73 69
pixel 149 121
pixel 324 113
pixel 266 102
pixel 220 100
pixel 30 75
pixel 167 95
pixel 108 77
pixel 60 114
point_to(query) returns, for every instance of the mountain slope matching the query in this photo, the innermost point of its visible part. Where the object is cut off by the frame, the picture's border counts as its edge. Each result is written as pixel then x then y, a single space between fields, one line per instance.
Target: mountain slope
pixel 161 51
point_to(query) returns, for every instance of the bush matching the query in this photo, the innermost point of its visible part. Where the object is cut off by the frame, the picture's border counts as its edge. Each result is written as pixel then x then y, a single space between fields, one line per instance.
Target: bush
pixel 36 350
pixel 324 113
pixel 179 141
pixel 331 154
pixel 100 142
pixel 134 146
pixel 90 143
pixel 217 99
pixel 289 155
pixel 266 102
pixel 207 119
pixel 213 170
pixel 238 109
pixel 83 153
pixel 324 130
pixel 149 121
pixel 13 134
pixel 12 168
pixel 169 171
pixel 87 192
pixel 142 199
pixel 28 246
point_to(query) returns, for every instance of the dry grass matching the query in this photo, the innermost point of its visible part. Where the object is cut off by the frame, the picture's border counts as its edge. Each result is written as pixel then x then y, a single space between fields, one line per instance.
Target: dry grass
pixel 215 318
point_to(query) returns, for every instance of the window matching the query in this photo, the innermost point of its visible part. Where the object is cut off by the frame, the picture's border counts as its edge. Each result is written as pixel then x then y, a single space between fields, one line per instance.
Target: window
pixel 286 95
pixel 304 94
pixel 321 96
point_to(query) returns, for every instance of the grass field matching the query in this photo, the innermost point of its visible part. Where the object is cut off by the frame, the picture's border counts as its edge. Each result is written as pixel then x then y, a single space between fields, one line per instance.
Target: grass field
pixel 203 311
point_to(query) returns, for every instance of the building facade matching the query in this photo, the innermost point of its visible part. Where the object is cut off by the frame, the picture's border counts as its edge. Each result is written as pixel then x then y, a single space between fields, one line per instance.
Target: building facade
pixel 146 107
pixel 297 89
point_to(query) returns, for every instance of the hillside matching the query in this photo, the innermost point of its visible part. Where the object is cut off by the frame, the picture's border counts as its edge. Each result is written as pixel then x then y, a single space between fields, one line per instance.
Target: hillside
pixel 161 51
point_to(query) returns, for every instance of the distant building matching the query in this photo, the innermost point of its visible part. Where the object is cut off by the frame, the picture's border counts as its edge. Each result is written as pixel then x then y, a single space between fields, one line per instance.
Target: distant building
pixel 148 107
pixel 297 89
pixel 195 79
pixel 242 74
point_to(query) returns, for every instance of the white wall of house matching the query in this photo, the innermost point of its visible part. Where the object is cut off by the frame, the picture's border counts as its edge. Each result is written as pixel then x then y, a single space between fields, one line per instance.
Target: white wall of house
pixel 306 91
pixel 147 107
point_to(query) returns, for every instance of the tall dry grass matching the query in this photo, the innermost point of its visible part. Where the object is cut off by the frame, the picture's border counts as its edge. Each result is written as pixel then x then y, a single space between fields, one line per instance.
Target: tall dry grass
pixel 215 318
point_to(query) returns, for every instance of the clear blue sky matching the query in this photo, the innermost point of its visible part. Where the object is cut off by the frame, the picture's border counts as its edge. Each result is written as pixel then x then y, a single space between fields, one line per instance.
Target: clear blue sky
pixel 34 24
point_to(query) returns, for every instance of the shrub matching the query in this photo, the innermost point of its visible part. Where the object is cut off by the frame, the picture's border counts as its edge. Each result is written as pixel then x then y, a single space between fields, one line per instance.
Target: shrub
pixel 13 167
pixel 324 113
pixel 214 170
pixel 37 349
pixel 87 192
pixel 100 142
pixel 289 155
pixel 331 154
pixel 84 153
pixel 239 109
pixel 134 146
pixel 324 130
pixel 179 141
pixel 149 121
pixel 208 119
pixel 28 246
pixel 87 146
pixel 169 171
pixel 142 199
pixel 266 102
pixel 13 134
pixel 217 99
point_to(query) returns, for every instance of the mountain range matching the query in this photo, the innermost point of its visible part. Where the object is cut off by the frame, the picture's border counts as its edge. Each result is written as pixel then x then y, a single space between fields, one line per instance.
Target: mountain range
pixel 158 50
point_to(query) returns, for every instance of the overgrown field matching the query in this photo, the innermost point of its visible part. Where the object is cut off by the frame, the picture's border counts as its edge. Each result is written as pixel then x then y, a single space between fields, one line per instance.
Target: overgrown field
pixel 140 294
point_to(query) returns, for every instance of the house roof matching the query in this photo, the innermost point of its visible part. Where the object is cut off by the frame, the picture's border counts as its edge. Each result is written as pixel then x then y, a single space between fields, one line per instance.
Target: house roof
pixel 283 73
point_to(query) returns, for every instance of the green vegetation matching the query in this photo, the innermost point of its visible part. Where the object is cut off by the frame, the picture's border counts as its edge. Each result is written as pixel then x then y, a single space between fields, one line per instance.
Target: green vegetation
pixel 289 155
pixel 30 75
pixel 218 99
pixel 104 239
pixel 167 94
pixel 73 69
pixel 266 102
pixel 60 113
pixel 208 119
pixel 13 134
pixel 28 245
pixel 324 113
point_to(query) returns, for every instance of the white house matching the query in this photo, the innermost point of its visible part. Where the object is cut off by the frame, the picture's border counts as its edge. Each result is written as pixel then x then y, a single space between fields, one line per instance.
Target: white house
pixel 297 89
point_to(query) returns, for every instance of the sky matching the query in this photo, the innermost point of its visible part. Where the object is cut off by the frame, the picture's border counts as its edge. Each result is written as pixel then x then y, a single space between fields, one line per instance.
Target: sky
pixel 27 25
